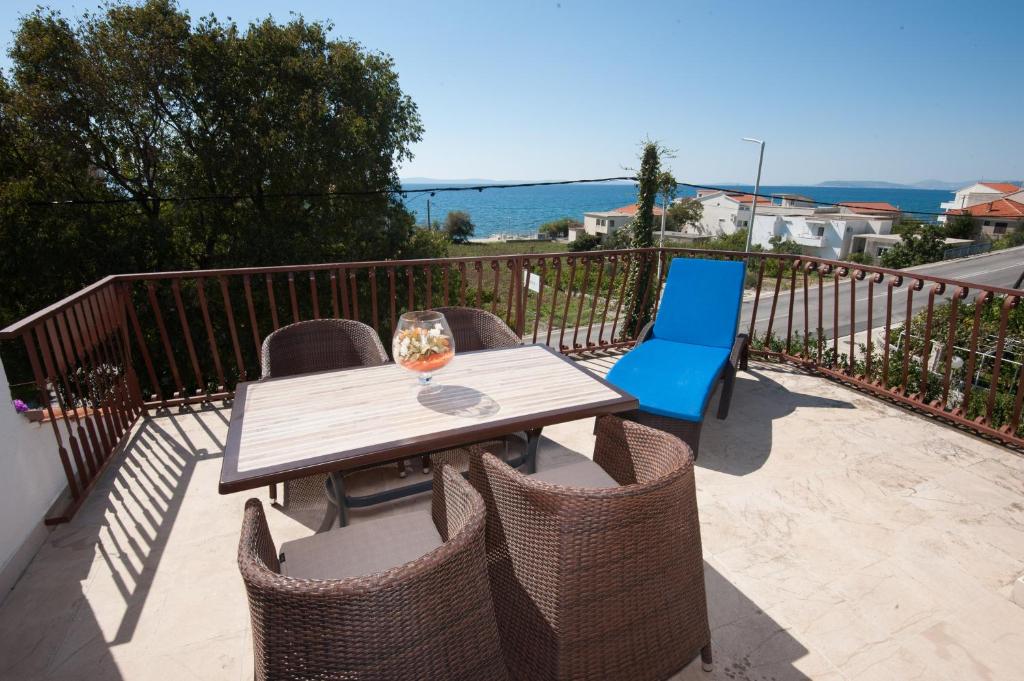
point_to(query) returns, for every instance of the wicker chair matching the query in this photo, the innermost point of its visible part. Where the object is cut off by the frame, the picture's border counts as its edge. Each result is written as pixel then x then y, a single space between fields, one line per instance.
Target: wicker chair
pixel 604 579
pixel 317 345
pixel 425 616
pixel 478 329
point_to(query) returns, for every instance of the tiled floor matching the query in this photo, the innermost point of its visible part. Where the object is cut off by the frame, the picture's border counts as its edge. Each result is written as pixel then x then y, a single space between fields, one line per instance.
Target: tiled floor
pixel 844 539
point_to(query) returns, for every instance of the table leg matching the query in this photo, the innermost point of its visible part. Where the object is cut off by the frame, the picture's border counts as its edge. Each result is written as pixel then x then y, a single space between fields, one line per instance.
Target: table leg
pixel 338 488
pixel 532 442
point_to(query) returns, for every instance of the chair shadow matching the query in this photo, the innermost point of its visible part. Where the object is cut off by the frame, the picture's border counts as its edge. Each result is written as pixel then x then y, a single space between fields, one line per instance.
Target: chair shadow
pixel 742 443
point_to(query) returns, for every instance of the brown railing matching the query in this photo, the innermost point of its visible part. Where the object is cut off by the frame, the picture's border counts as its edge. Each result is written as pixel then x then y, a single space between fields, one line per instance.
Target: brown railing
pixel 137 342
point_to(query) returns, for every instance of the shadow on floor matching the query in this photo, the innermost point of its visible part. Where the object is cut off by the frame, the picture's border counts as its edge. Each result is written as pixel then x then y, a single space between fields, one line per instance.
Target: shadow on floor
pixel 742 443
pixel 48 627
pixel 748 645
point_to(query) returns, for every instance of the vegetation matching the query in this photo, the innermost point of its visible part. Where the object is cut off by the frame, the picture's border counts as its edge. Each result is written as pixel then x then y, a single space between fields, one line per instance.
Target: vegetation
pixel 585 242
pixel 642 234
pixel 919 245
pixel 458 226
pixel 139 104
pixel 1009 240
pixel 559 229
pixel 683 213
pixel 961 227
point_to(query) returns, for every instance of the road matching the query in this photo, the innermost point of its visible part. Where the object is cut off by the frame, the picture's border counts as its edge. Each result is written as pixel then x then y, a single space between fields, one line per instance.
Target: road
pixel 999 268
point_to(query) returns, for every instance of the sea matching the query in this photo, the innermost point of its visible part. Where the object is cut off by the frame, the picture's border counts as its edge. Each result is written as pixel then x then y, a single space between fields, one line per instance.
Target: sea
pixel 519 211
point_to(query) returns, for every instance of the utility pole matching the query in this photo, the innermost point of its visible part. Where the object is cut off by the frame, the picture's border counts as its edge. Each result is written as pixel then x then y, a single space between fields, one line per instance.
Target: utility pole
pixel 430 225
pixel 757 190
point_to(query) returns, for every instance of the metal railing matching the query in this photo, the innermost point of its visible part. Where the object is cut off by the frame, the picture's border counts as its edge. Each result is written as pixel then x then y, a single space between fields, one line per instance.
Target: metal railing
pixel 137 342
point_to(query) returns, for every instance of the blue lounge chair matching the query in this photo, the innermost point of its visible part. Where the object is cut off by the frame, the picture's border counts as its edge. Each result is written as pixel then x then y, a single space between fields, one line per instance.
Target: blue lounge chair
pixel 691 344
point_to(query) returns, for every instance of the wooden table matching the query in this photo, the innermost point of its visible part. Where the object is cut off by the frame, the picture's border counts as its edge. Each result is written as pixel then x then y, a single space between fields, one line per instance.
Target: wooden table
pixel 296 426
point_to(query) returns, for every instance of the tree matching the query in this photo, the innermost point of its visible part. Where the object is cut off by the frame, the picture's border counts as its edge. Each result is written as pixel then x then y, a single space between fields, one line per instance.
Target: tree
pixel 667 187
pixel 458 226
pixel 136 103
pixel 585 242
pixel 917 247
pixel 642 233
pixel 683 213
pixel 961 227
pixel 559 229
pixel 780 245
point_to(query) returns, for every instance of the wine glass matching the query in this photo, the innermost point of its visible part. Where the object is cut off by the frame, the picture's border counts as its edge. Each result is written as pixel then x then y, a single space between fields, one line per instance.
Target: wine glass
pixel 423 343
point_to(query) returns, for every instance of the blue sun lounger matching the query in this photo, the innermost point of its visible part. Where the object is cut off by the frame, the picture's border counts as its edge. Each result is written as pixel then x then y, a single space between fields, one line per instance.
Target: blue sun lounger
pixel 688 348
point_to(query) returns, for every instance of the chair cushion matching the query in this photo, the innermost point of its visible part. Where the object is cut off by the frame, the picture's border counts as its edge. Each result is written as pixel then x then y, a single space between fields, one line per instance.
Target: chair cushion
pixel 670 379
pixel 701 302
pixel 361 549
pixel 583 473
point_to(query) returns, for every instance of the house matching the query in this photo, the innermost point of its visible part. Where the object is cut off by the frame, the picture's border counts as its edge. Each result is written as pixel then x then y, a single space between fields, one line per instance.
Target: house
pixel 883 208
pixel 603 224
pixel 794 201
pixel 978 193
pixel 996 218
pixel 825 232
pixel 874 245
pixel 726 212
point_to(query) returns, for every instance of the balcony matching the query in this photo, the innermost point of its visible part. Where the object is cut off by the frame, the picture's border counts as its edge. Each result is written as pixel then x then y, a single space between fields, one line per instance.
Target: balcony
pixel 849 531
pixel 844 538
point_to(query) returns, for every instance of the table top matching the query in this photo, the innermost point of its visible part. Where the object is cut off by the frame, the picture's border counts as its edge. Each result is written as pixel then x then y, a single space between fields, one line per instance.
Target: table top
pixel 295 426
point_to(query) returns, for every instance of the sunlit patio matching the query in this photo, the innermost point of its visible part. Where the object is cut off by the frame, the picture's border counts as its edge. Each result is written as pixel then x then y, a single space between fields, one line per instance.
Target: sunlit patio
pixel 843 538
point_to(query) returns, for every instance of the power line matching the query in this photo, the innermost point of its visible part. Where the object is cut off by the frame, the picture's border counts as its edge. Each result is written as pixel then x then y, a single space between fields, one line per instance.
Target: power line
pixel 309 195
pixel 405 192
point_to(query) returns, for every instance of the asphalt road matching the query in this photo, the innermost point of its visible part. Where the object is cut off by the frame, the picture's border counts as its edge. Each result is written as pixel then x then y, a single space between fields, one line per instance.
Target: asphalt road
pixel 1000 268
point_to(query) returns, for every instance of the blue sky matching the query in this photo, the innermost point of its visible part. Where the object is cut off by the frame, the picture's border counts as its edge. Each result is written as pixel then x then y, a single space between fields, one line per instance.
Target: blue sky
pixel 899 90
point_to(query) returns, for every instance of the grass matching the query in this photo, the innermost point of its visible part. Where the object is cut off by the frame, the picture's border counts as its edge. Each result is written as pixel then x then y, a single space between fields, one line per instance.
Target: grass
pixel 506 248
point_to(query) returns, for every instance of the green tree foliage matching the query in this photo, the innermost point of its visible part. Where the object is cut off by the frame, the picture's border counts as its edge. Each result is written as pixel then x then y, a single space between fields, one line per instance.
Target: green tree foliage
pixel 642 236
pixel 961 227
pixel 919 245
pixel 458 226
pixel 585 242
pixel 667 187
pixel 683 213
pixel 1010 239
pixel 138 103
pixel 780 245
pixel 559 229
pixel 737 241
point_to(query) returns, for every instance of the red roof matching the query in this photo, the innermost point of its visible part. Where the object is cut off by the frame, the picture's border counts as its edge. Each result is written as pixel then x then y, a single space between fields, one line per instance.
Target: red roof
pixel 1000 208
pixel 871 206
pixel 1004 187
pixel 748 198
pixel 631 210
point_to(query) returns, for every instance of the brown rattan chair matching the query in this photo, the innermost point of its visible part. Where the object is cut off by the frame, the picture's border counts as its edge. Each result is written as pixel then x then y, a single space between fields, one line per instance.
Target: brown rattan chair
pixel 365 602
pixel 596 567
pixel 317 345
pixel 478 329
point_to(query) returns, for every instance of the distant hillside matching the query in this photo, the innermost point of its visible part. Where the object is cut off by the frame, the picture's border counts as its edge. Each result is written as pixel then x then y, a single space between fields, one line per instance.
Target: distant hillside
pixel 865 184
pixel 923 184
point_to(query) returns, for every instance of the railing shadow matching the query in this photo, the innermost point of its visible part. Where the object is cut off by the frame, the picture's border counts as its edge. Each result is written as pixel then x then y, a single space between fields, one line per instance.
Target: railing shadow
pixel 85 592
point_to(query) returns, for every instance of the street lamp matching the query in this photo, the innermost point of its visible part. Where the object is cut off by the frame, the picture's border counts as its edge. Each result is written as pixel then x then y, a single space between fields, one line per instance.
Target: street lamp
pixel 757 190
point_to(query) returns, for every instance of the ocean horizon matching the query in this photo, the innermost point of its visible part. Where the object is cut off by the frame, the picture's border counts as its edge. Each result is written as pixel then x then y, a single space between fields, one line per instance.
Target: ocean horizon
pixel 521 210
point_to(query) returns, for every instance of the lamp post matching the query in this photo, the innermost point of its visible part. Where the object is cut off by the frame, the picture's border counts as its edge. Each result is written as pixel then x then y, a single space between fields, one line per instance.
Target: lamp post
pixel 757 190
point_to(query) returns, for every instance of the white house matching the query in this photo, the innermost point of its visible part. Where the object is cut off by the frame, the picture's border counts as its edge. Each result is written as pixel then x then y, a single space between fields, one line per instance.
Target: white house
pixel 978 193
pixel 825 232
pixel 725 212
pixel 603 224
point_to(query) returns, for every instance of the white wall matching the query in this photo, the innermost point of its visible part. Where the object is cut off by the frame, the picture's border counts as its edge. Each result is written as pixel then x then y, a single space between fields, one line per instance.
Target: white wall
pixel 834 243
pixel 720 215
pixel 31 481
